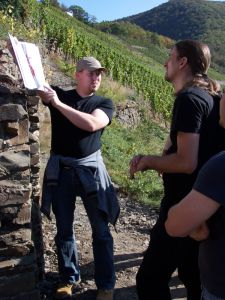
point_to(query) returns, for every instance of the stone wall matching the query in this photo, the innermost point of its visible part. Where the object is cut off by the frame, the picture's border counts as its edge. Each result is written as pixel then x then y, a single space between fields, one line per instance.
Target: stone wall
pixel 21 244
pixel 21 251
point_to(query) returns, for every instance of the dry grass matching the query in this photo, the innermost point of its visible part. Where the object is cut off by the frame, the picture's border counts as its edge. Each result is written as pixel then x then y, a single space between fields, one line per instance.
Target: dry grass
pixel 45 136
pixel 45 129
pixel 115 91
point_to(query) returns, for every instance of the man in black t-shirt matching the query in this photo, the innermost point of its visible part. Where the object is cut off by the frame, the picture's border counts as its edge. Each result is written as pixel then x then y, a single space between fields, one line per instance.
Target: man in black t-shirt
pixel 206 202
pixel 195 135
pixel 76 168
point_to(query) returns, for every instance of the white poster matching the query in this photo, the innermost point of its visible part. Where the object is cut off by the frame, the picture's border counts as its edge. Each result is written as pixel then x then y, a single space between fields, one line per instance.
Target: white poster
pixel 29 62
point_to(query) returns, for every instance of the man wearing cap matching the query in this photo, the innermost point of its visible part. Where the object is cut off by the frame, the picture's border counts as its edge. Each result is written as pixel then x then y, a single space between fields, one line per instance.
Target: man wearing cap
pixel 75 168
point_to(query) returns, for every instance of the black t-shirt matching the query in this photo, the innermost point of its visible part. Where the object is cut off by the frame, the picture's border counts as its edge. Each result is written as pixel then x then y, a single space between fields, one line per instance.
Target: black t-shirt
pixel 195 111
pixel 69 140
pixel 211 183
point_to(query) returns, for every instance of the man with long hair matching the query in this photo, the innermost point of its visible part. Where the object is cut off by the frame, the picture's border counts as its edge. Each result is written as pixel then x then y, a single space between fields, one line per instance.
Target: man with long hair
pixel 195 136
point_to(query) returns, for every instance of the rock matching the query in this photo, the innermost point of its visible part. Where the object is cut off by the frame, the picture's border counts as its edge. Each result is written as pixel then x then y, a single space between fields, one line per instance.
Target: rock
pixel 12 112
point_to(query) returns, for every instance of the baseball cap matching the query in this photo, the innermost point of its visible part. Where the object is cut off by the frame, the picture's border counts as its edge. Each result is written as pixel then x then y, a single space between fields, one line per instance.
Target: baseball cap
pixel 90 64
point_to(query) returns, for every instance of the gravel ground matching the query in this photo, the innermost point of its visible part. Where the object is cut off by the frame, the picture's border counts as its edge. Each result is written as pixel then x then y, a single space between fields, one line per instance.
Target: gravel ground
pixel 130 241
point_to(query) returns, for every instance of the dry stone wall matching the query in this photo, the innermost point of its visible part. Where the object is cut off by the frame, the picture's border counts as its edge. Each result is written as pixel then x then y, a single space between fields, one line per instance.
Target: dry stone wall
pixel 21 251
pixel 21 245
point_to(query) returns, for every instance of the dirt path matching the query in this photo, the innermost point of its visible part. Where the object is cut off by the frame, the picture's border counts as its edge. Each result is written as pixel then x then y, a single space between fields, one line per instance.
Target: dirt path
pixel 130 242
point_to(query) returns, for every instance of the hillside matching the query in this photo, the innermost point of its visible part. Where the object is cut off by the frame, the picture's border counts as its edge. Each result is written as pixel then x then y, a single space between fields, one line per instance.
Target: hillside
pixel 76 39
pixel 148 44
pixel 148 96
pixel 188 19
pixel 130 83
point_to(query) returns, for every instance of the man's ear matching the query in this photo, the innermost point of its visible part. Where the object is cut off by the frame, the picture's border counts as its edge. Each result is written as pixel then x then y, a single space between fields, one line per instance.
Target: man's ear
pixel 183 62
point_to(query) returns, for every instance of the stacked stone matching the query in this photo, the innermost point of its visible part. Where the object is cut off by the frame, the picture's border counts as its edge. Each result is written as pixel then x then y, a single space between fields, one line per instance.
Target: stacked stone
pixel 19 188
pixel 33 113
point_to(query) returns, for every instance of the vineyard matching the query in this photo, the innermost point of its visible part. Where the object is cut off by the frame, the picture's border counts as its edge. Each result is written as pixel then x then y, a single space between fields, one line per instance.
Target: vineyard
pixel 42 23
pixel 77 40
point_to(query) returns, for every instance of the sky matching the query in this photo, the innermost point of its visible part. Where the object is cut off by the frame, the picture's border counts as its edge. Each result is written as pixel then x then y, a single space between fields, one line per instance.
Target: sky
pixel 108 10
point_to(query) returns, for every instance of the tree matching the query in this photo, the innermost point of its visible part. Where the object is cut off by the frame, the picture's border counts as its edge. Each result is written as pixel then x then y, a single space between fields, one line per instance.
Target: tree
pixel 64 7
pixel 51 2
pixel 92 19
pixel 4 4
pixel 55 3
pixel 79 13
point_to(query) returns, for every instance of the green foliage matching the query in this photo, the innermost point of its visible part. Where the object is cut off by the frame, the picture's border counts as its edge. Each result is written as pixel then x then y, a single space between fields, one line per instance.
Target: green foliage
pixel 82 15
pixel 31 19
pixel 131 32
pixel 79 13
pixel 78 40
pixel 120 145
pixel 19 9
pixel 55 3
pixel 152 48
pixel 124 29
pixel 188 19
pixel 23 19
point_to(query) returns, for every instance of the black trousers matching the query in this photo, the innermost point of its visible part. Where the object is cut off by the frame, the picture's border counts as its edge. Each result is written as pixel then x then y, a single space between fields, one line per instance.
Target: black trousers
pixel 162 257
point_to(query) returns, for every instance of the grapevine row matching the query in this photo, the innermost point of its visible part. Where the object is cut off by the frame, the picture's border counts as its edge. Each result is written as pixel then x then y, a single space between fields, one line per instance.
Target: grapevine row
pixel 77 40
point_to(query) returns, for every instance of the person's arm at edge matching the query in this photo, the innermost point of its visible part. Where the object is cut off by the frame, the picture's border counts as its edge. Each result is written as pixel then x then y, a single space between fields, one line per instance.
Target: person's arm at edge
pixel 189 214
